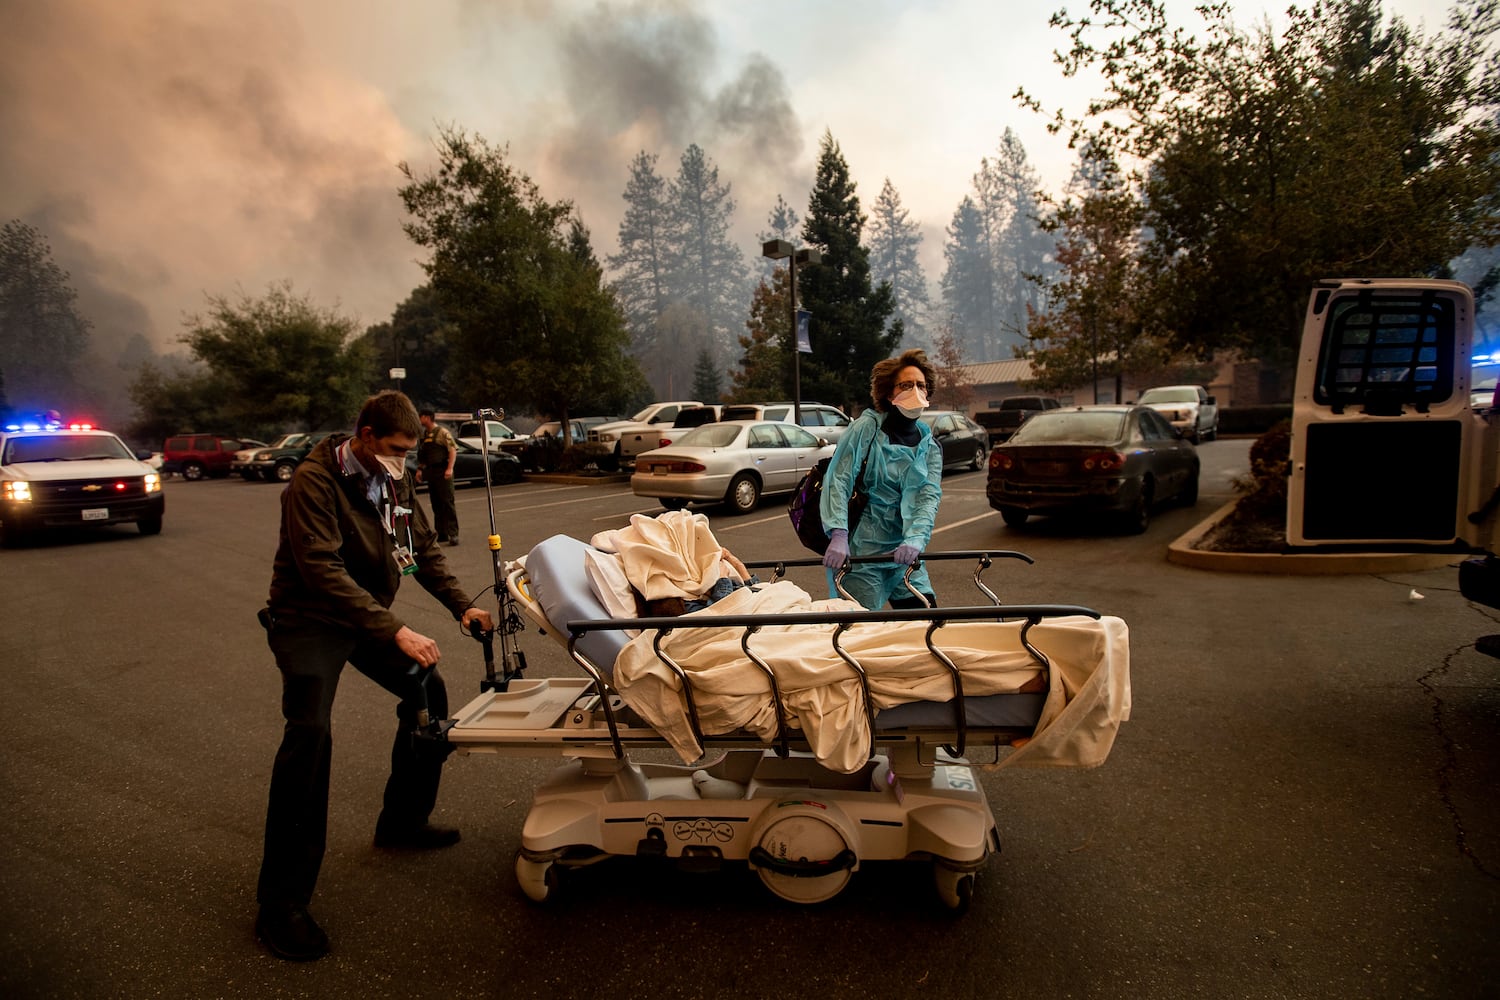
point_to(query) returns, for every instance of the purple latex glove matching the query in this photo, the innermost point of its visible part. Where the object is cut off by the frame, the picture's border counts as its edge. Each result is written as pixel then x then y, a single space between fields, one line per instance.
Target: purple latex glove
pixel 838 549
pixel 907 554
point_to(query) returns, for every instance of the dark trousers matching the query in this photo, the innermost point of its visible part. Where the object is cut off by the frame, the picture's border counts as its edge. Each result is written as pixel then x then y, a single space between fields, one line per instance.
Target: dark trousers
pixel 311 656
pixel 913 602
pixel 440 495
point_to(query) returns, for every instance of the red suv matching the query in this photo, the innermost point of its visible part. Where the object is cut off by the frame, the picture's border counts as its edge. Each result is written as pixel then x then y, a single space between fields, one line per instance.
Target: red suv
pixel 199 455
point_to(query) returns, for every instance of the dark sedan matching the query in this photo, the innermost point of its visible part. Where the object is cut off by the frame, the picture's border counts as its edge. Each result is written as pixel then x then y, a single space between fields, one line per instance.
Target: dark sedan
pixel 1117 460
pixel 964 442
pixel 468 465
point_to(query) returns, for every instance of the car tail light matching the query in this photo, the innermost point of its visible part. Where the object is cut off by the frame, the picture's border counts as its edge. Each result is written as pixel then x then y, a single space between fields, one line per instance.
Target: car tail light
pixel 1001 461
pixel 663 442
pixel 1104 461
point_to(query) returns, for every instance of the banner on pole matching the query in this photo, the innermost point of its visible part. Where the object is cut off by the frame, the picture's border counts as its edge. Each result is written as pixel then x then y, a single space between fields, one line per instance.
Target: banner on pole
pixel 804 344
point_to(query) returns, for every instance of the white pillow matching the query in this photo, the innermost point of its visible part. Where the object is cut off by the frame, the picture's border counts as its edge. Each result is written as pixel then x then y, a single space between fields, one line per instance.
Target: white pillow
pixel 607 577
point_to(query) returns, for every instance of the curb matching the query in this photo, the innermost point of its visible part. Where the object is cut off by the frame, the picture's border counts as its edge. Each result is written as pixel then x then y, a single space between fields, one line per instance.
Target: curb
pixel 1182 552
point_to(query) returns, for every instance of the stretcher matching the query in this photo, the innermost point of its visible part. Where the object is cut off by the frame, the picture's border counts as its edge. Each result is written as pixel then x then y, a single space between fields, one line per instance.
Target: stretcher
pixel 763 795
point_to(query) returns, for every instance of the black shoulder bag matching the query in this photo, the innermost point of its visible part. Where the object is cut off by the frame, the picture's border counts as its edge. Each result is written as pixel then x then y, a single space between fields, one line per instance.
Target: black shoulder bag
pixel 805 509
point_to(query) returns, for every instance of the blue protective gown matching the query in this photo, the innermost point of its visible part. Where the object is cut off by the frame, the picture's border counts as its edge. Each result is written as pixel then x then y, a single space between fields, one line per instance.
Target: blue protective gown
pixel 904 484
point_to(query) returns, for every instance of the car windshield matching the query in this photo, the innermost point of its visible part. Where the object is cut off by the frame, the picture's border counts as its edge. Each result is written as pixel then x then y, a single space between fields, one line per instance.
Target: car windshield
pixel 289 441
pixel 710 436
pixel 1169 396
pixel 640 417
pixel 63 448
pixel 1071 427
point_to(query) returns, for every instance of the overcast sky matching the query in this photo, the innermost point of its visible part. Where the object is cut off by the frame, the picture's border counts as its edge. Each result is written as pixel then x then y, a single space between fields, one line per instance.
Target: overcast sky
pixel 172 149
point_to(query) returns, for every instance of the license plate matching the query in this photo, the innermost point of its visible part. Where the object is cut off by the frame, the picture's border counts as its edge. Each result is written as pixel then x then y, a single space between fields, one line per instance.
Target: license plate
pixel 660 470
pixel 1047 468
pixel 96 514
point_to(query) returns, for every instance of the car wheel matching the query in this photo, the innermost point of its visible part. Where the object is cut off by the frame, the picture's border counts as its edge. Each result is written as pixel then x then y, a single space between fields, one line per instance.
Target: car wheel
pixel 1138 519
pixel 506 472
pixel 673 503
pixel 744 493
pixel 1188 496
pixel 283 471
pixel 1014 516
pixel 192 471
pixel 610 462
pixel 977 462
pixel 149 525
pixel 1213 432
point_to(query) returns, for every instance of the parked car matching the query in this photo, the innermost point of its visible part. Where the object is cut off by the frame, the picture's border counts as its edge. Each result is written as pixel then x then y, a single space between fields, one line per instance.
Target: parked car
pixel 735 462
pixel 277 462
pixel 51 478
pixel 545 447
pixel 199 455
pixel 1114 460
pixel 826 422
pixel 1014 411
pixel 241 465
pixel 468 465
pixel 1482 395
pixel 630 437
pixel 963 441
pixel 1189 408
pixel 687 418
pixel 502 438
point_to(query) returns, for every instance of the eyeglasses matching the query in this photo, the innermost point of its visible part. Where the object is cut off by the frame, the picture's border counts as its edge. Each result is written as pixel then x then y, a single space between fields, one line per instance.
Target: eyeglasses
pixel 906 386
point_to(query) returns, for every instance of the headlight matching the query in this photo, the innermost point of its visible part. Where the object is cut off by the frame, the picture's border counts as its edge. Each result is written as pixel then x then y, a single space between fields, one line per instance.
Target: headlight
pixel 261 456
pixel 607 435
pixel 18 492
pixel 153 482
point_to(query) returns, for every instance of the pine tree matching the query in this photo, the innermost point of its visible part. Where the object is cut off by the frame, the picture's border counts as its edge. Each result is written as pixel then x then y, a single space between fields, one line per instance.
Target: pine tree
pixel 706 377
pixel 709 272
pixel 969 281
pixel 849 329
pixel 765 368
pixel 642 268
pixel 894 241
pixel 781 224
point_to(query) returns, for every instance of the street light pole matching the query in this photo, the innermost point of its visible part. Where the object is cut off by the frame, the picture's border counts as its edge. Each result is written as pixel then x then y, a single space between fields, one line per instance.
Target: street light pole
pixel 775 250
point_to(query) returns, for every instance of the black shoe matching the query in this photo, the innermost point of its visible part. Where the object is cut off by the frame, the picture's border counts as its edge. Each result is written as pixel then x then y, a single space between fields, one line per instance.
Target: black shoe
pixel 291 932
pixel 418 838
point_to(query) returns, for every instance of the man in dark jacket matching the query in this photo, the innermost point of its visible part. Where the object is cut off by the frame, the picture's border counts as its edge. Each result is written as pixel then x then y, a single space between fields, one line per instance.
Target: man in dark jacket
pixel 350 530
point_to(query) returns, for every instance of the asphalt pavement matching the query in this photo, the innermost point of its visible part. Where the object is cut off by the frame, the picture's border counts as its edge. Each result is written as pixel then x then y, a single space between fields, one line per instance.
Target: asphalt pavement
pixel 1302 805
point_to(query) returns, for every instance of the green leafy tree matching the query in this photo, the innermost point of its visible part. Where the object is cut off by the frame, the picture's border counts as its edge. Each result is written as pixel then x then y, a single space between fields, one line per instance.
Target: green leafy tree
pixel 895 240
pixel 533 321
pixel 1347 146
pixel 278 362
pixel 42 334
pixel 1090 328
pixel 172 396
pixel 850 328
pixel 765 368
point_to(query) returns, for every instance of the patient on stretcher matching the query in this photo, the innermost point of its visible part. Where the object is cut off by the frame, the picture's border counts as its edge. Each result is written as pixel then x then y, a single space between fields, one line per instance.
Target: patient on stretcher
pixel 676 557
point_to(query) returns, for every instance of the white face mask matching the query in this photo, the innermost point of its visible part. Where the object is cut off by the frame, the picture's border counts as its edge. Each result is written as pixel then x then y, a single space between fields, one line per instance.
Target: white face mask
pixel 911 403
pixel 390 463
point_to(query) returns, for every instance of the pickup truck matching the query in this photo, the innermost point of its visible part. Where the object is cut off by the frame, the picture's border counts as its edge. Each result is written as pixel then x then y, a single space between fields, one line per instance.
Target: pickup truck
pixel 1188 408
pixel 1013 412
pixel 628 438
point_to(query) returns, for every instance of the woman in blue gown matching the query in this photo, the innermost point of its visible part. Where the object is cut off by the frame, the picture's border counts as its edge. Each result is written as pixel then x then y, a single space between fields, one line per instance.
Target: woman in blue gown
pixel 903 473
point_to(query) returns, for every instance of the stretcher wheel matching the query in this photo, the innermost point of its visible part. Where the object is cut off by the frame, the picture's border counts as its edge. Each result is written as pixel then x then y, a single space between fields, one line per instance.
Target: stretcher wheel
pixel 538 879
pixel 803 857
pixel 955 889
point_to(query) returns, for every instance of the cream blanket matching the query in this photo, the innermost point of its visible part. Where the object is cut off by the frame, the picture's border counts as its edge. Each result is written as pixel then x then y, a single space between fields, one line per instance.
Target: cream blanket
pixel 1088 698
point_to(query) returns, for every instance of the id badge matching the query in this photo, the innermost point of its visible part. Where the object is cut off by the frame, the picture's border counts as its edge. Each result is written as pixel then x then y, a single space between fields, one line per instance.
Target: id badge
pixel 405 560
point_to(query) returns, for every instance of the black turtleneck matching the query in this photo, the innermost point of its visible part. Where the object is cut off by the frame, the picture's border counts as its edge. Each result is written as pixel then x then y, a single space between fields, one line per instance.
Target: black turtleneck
pixel 900 428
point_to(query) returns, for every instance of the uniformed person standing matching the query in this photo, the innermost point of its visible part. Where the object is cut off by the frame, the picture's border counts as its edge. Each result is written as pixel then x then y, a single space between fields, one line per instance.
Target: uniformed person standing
pixel 435 468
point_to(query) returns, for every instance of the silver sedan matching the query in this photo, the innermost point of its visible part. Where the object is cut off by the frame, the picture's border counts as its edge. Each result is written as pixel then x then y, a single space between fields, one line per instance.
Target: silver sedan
pixel 734 462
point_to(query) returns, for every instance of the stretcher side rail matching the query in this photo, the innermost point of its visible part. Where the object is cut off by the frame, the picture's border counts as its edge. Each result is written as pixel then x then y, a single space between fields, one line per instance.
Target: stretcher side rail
pixel 843 620
pixel 984 559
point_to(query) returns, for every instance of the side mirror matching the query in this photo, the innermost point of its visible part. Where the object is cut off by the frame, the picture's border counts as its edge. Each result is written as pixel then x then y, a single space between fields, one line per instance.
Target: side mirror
pixel 1212 401
pixel 143 454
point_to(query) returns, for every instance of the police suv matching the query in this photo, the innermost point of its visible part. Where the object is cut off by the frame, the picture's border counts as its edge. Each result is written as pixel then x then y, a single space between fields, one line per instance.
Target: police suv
pixel 54 475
